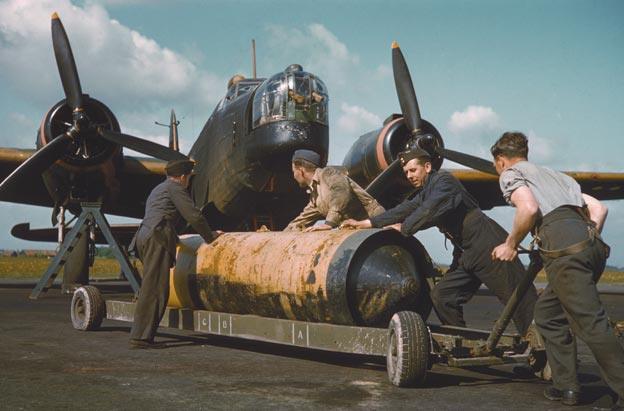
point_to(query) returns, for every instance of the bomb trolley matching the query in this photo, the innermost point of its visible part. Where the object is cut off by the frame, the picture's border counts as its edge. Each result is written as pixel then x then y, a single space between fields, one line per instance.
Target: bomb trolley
pixel 410 346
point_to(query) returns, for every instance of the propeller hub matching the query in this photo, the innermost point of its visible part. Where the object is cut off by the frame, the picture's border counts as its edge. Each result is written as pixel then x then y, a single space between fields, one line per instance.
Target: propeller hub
pixel 429 139
pixel 87 147
pixel 81 120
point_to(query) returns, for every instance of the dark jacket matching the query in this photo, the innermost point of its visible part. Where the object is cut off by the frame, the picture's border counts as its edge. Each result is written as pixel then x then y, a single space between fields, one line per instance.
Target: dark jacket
pixel 442 201
pixel 168 206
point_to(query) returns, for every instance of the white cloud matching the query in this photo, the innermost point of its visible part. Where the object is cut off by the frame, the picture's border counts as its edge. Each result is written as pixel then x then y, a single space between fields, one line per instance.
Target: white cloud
pixel 472 131
pixel 354 120
pixel 348 123
pixel 474 119
pixel 316 48
pixel 480 126
pixel 117 65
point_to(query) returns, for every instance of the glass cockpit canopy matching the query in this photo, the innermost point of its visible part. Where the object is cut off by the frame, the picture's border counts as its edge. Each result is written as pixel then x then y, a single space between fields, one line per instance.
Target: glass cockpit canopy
pixel 291 95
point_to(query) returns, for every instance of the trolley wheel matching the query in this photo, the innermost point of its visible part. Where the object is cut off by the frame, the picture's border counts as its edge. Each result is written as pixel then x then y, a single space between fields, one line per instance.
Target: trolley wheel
pixel 88 308
pixel 407 359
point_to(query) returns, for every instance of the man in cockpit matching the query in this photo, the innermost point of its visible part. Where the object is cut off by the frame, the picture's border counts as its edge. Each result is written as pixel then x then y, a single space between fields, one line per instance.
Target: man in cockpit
pixel 236 78
pixel 333 195
pixel 231 85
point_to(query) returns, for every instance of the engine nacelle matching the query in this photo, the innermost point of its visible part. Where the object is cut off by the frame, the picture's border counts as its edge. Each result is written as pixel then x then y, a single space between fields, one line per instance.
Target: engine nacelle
pixel 87 171
pixel 373 152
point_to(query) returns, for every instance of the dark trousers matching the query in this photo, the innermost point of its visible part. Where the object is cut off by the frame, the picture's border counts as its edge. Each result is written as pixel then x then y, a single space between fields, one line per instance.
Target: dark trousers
pixel 570 305
pixel 154 292
pixel 475 267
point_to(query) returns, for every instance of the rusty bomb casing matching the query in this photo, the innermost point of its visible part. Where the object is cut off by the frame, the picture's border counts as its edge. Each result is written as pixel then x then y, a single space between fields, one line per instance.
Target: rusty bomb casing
pixel 350 277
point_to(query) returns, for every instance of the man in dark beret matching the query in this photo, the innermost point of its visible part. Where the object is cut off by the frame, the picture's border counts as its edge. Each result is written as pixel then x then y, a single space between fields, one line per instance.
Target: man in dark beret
pixel 442 201
pixel 333 195
pixel 167 206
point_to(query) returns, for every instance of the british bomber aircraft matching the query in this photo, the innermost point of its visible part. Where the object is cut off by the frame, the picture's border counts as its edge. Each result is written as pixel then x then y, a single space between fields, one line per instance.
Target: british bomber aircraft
pixel 243 154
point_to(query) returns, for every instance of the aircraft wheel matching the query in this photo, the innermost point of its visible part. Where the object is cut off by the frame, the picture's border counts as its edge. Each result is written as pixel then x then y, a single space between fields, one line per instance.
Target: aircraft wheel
pixel 88 308
pixel 407 359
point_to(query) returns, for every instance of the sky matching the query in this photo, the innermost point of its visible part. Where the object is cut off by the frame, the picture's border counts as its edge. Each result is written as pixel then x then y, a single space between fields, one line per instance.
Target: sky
pixel 552 69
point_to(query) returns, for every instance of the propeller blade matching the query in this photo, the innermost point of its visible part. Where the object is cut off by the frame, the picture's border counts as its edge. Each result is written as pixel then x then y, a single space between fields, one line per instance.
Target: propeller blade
pixel 405 90
pixel 467 160
pixel 379 184
pixel 35 165
pixel 142 146
pixel 66 64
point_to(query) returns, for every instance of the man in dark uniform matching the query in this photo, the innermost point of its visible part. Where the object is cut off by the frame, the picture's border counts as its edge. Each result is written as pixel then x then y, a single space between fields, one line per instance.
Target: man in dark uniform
pixel 566 224
pixel 443 202
pixel 156 242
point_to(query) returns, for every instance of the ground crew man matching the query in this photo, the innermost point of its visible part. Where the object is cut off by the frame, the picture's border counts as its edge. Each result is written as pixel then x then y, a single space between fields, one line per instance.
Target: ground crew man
pixel 443 202
pixel 566 225
pixel 333 195
pixel 155 241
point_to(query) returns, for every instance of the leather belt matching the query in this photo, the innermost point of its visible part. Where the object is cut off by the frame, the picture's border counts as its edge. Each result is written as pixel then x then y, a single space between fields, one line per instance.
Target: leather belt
pixel 574 248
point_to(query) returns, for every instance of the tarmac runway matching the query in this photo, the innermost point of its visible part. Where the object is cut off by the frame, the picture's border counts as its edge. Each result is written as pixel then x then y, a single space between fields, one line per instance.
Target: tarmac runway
pixel 46 364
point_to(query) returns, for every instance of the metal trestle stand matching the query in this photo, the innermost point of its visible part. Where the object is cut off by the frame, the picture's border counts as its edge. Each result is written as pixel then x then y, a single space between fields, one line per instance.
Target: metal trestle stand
pixel 90 216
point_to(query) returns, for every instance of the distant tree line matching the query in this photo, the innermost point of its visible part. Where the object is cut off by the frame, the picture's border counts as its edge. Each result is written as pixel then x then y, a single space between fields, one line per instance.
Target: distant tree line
pixel 103 252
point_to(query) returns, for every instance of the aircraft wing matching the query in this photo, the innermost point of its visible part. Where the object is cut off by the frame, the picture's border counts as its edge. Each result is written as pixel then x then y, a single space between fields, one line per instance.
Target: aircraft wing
pixel 123 233
pixel 137 177
pixel 485 188
pixel 35 193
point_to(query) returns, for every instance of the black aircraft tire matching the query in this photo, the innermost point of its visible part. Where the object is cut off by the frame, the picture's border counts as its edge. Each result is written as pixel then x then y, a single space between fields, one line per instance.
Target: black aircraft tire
pixel 407 359
pixel 88 308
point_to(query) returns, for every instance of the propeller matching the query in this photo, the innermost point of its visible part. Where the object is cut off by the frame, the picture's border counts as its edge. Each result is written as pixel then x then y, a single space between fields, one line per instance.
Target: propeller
pixel 81 129
pixel 411 115
pixel 73 93
pixel 468 160
pixel 405 91
pixel 381 182
pixel 35 164
pixel 414 122
pixel 428 143
pixel 142 145
pixel 66 64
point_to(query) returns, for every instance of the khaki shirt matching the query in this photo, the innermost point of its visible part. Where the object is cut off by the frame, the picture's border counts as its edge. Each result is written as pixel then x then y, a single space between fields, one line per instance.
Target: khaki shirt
pixel 335 197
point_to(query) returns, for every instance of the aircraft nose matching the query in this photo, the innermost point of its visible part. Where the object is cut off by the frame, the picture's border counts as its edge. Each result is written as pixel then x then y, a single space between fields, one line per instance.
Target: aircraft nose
pixel 274 143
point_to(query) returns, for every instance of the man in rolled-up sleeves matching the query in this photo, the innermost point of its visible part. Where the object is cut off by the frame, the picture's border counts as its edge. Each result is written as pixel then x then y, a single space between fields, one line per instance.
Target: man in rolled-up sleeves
pixel 334 197
pixel 566 224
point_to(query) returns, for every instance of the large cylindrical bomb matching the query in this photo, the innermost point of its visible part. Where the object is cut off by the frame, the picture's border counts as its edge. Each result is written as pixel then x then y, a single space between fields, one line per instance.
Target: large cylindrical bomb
pixel 351 277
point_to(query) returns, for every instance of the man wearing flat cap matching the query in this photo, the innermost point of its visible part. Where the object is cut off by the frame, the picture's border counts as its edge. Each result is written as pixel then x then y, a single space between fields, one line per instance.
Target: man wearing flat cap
pixel 333 195
pixel 167 206
pixel 442 201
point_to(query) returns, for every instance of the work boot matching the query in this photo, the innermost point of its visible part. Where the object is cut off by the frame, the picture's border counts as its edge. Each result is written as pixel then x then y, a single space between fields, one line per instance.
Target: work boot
pixel 146 344
pixel 567 397
pixel 617 406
